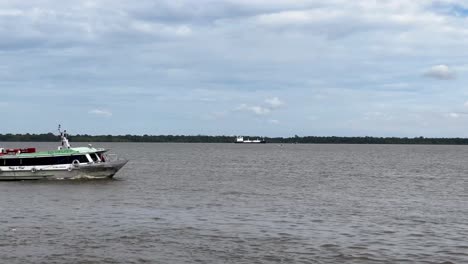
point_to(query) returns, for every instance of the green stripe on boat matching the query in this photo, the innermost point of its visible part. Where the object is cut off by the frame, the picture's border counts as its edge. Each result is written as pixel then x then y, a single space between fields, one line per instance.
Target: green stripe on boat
pixel 61 152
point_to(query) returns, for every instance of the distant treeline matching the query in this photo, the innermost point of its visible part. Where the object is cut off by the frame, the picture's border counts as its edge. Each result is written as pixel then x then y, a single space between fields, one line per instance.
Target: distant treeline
pixel 230 139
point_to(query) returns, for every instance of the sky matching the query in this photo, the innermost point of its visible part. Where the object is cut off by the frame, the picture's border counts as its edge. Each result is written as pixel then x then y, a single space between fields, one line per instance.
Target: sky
pixel 235 67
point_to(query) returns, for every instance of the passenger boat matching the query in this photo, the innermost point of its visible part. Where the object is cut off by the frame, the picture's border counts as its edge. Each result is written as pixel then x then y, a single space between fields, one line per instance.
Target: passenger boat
pixel 64 163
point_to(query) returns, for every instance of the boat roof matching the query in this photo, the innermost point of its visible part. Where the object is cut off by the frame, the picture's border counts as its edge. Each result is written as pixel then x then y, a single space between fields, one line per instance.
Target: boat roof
pixel 54 153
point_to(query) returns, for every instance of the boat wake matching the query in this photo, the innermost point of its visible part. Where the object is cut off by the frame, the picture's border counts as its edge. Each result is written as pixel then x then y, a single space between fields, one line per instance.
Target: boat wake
pixel 88 177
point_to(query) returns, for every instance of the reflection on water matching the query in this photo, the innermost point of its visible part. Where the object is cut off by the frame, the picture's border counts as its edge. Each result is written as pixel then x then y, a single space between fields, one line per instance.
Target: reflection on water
pixel 227 203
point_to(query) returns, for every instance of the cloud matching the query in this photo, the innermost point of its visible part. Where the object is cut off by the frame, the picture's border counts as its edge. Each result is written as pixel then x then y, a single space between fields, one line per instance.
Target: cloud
pixel 161 29
pixel 377 116
pixel 453 115
pixel 215 115
pixel 270 105
pixel 165 59
pixel 100 112
pixel 258 110
pixel 274 121
pixel 274 102
pixel 441 72
pixel 296 17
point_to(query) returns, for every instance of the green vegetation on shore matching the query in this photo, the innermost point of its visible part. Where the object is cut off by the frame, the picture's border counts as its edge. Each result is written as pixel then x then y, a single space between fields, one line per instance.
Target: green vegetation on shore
pixel 230 139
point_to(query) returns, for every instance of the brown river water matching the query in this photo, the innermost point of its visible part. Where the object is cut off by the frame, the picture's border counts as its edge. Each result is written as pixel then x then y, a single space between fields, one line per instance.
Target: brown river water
pixel 230 203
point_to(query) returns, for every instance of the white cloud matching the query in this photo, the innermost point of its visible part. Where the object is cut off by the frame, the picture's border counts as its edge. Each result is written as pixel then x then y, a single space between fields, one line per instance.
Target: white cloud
pixel 237 51
pixel 100 112
pixel 298 17
pixel 215 115
pixel 441 72
pixel 258 110
pixel 161 29
pixel 274 102
pixel 377 116
pixel 453 115
pixel 274 121
pixel 11 12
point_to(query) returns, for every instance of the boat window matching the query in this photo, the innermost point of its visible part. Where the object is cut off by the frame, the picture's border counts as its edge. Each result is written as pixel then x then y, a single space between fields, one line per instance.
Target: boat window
pixel 41 161
pixel 46 160
pixel 70 159
pixel 80 158
pixel 12 162
pixel 94 157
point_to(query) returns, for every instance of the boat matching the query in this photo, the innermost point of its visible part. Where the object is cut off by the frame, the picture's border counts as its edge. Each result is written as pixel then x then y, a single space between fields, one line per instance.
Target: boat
pixel 63 163
pixel 241 140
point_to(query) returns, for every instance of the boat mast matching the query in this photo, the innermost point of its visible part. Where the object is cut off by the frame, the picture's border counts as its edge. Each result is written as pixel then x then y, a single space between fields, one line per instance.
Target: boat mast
pixel 63 136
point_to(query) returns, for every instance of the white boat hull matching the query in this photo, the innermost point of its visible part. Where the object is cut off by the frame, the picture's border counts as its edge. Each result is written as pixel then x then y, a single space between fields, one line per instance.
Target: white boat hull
pixel 68 171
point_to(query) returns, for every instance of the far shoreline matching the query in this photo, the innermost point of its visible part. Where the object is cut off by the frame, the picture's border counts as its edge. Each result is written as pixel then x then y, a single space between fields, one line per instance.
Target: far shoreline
pixel 49 137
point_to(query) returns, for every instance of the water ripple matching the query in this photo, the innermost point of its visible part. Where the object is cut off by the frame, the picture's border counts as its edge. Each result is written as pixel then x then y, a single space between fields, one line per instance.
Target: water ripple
pixel 223 203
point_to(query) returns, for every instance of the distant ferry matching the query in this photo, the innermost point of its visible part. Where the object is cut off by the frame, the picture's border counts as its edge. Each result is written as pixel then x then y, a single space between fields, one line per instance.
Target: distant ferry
pixel 248 141
pixel 64 163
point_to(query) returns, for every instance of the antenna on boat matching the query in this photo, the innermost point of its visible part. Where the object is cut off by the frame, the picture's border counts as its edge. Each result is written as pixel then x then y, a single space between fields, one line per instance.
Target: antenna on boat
pixel 63 136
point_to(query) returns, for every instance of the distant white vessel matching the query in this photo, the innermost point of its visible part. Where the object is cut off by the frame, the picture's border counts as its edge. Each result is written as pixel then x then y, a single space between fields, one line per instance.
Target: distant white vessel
pixel 240 139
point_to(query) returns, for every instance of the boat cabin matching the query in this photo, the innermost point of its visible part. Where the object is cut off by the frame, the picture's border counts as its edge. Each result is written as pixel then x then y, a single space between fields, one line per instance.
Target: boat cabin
pixel 51 159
